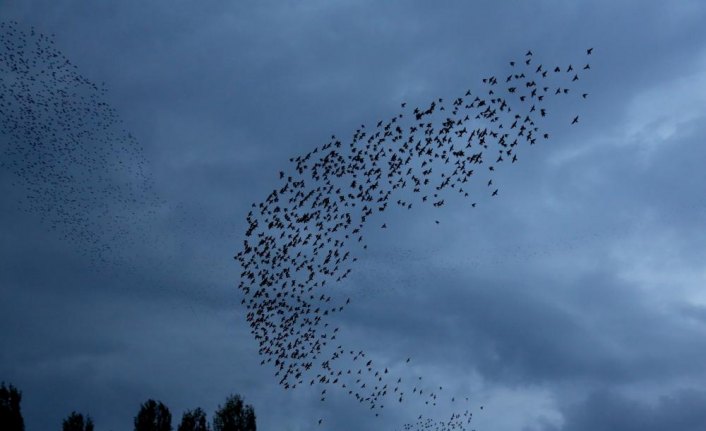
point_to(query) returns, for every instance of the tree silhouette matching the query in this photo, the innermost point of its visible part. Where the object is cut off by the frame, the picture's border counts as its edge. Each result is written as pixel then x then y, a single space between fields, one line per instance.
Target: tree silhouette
pixel 10 413
pixel 75 422
pixel 153 416
pixel 234 416
pixel 250 423
pixel 193 420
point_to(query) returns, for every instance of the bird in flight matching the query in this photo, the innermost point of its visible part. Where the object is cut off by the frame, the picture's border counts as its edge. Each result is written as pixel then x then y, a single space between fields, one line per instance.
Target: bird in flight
pixel 305 236
pixel 68 148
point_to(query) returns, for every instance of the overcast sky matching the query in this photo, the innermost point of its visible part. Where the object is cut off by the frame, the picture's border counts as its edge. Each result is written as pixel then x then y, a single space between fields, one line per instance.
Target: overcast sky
pixel 572 301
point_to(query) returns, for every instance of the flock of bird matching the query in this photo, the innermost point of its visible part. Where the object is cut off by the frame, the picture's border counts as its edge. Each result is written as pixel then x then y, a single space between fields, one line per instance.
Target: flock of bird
pixel 302 239
pixel 84 175
pixel 80 167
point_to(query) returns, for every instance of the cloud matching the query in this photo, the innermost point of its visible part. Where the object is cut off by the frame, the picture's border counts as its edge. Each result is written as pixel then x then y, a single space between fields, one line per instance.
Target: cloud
pixel 610 410
pixel 576 296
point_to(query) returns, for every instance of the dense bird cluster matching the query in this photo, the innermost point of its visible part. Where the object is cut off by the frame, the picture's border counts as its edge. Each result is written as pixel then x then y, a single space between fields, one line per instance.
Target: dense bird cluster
pixel 302 239
pixel 455 422
pixel 86 177
pixel 82 172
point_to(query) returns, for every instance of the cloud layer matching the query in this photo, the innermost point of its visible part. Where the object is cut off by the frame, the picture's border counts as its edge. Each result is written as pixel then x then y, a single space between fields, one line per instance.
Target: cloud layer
pixel 572 301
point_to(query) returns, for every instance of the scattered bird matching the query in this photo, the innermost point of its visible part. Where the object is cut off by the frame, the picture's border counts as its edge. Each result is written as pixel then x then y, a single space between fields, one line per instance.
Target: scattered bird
pixel 69 146
pixel 69 150
pixel 304 237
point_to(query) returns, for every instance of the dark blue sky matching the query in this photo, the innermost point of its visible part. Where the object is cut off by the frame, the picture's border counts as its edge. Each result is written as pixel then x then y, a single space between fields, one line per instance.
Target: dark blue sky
pixel 574 300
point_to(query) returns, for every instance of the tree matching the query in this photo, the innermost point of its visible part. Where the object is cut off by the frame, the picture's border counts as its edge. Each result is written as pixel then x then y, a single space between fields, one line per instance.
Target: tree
pixel 75 422
pixel 234 416
pixel 153 416
pixel 193 420
pixel 10 413
pixel 250 423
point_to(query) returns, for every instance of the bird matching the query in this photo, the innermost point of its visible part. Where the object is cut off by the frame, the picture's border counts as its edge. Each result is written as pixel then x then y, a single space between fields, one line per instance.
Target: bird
pixel 68 147
pixel 304 236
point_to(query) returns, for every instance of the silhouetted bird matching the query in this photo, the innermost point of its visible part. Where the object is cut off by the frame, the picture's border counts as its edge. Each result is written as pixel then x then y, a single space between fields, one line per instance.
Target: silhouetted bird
pixel 304 236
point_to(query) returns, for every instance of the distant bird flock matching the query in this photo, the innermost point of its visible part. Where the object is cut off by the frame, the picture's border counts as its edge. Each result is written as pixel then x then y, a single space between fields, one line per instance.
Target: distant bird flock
pixel 84 175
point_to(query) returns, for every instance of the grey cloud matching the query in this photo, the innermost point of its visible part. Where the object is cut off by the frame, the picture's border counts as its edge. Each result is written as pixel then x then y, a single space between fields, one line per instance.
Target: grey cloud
pixel 609 410
pixel 525 290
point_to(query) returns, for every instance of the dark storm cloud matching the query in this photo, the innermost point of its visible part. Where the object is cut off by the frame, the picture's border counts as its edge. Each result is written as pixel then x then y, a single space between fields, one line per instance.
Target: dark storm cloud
pixel 549 286
pixel 608 410
pixel 600 330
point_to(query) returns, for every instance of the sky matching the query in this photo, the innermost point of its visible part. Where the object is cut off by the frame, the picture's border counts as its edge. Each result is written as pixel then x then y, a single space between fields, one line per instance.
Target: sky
pixel 573 300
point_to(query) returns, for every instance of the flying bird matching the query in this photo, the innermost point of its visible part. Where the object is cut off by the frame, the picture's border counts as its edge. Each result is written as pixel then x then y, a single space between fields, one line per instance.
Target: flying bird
pixel 307 234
